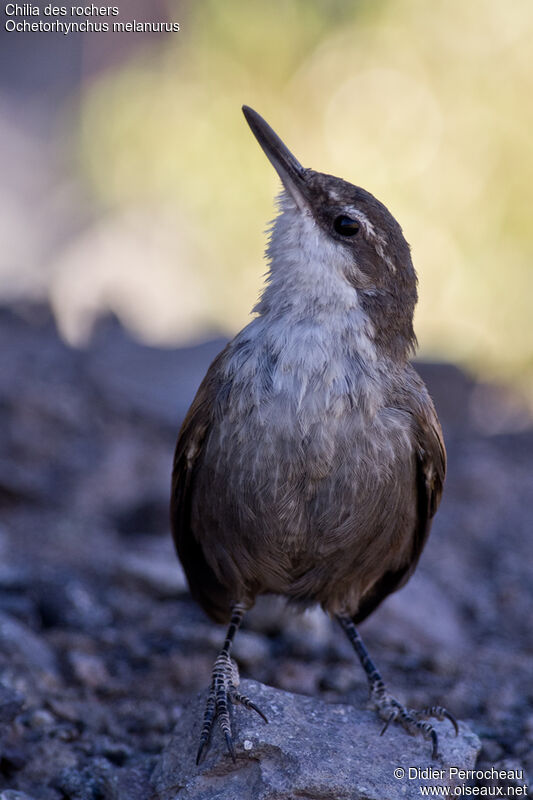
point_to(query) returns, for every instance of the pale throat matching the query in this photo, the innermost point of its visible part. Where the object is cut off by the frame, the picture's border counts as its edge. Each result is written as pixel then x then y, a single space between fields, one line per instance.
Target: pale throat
pixel 308 310
pixel 311 340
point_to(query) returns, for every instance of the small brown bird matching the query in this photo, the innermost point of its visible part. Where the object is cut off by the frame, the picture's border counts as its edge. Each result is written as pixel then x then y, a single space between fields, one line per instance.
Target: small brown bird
pixel 311 461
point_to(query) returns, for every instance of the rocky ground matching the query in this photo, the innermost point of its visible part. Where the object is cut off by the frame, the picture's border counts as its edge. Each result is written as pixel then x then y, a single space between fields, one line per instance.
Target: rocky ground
pixel 309 750
pixel 100 645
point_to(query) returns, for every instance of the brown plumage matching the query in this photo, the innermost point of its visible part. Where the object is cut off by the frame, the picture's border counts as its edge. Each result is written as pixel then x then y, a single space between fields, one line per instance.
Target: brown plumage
pixel 311 461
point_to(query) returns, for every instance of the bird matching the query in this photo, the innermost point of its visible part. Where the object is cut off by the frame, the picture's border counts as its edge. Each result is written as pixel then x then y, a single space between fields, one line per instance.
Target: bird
pixel 311 462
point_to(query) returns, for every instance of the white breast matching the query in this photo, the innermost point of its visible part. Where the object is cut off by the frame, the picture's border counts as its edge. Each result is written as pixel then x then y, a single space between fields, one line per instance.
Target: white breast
pixel 311 345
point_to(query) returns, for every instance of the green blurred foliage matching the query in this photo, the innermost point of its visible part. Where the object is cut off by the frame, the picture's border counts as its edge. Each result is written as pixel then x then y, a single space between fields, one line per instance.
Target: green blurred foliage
pixel 425 104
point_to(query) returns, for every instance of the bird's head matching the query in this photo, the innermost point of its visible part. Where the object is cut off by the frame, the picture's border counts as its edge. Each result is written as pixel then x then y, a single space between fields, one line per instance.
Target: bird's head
pixel 335 244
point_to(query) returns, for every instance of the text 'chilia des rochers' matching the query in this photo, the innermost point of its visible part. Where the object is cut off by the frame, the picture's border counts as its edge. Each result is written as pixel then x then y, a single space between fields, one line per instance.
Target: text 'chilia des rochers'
pixel 45 19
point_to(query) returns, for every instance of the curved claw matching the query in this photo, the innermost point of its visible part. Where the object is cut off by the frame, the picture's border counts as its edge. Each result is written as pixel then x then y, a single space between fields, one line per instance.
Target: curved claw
pixel 384 728
pixel 257 710
pixel 452 719
pixel 439 713
pixel 435 740
pixel 200 751
pixel 237 697
pixel 231 748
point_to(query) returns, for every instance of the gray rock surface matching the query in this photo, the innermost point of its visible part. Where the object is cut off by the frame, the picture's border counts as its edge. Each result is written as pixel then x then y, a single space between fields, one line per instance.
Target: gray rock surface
pixel 101 646
pixel 310 750
pixel 10 704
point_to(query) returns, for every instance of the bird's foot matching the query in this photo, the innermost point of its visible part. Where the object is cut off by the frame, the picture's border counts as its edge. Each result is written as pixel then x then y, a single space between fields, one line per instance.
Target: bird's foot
pixel 415 722
pixel 224 689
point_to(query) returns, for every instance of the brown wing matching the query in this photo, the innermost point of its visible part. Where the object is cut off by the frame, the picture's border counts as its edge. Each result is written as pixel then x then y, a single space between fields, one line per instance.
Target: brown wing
pixel 205 588
pixel 430 458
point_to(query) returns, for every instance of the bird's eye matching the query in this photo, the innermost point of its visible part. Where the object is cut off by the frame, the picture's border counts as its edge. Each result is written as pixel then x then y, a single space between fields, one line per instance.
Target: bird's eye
pixel 346 226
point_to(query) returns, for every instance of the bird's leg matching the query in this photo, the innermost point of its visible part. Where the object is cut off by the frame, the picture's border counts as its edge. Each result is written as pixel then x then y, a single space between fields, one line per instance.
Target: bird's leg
pixel 224 688
pixel 388 708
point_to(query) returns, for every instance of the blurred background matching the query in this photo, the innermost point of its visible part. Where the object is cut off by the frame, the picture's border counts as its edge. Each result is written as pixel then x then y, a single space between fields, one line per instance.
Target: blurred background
pixel 133 205
pixel 131 182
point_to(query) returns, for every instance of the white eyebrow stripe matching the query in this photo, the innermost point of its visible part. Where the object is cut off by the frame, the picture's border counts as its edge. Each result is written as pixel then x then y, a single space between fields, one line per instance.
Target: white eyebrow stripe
pixel 365 222
pixel 380 250
pixel 377 239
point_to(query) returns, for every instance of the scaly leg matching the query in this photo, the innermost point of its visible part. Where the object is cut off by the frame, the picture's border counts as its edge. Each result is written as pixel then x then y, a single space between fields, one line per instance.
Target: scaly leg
pixel 224 688
pixel 389 709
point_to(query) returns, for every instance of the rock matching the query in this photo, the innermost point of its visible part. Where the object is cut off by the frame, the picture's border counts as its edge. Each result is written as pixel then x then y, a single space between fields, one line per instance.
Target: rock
pixel 89 669
pixel 14 577
pixel 312 634
pixel 300 676
pixel 10 704
pixel 309 749
pixel 39 719
pixel 131 784
pixel 63 601
pixel 147 515
pixel 21 645
pixel 509 776
pixel 85 783
pixel 409 616
pixel 151 383
pixel 159 573
pixel 250 649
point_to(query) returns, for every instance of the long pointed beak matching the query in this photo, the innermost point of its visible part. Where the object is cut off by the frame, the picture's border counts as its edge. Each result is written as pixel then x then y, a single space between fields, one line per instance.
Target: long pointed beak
pixel 288 167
